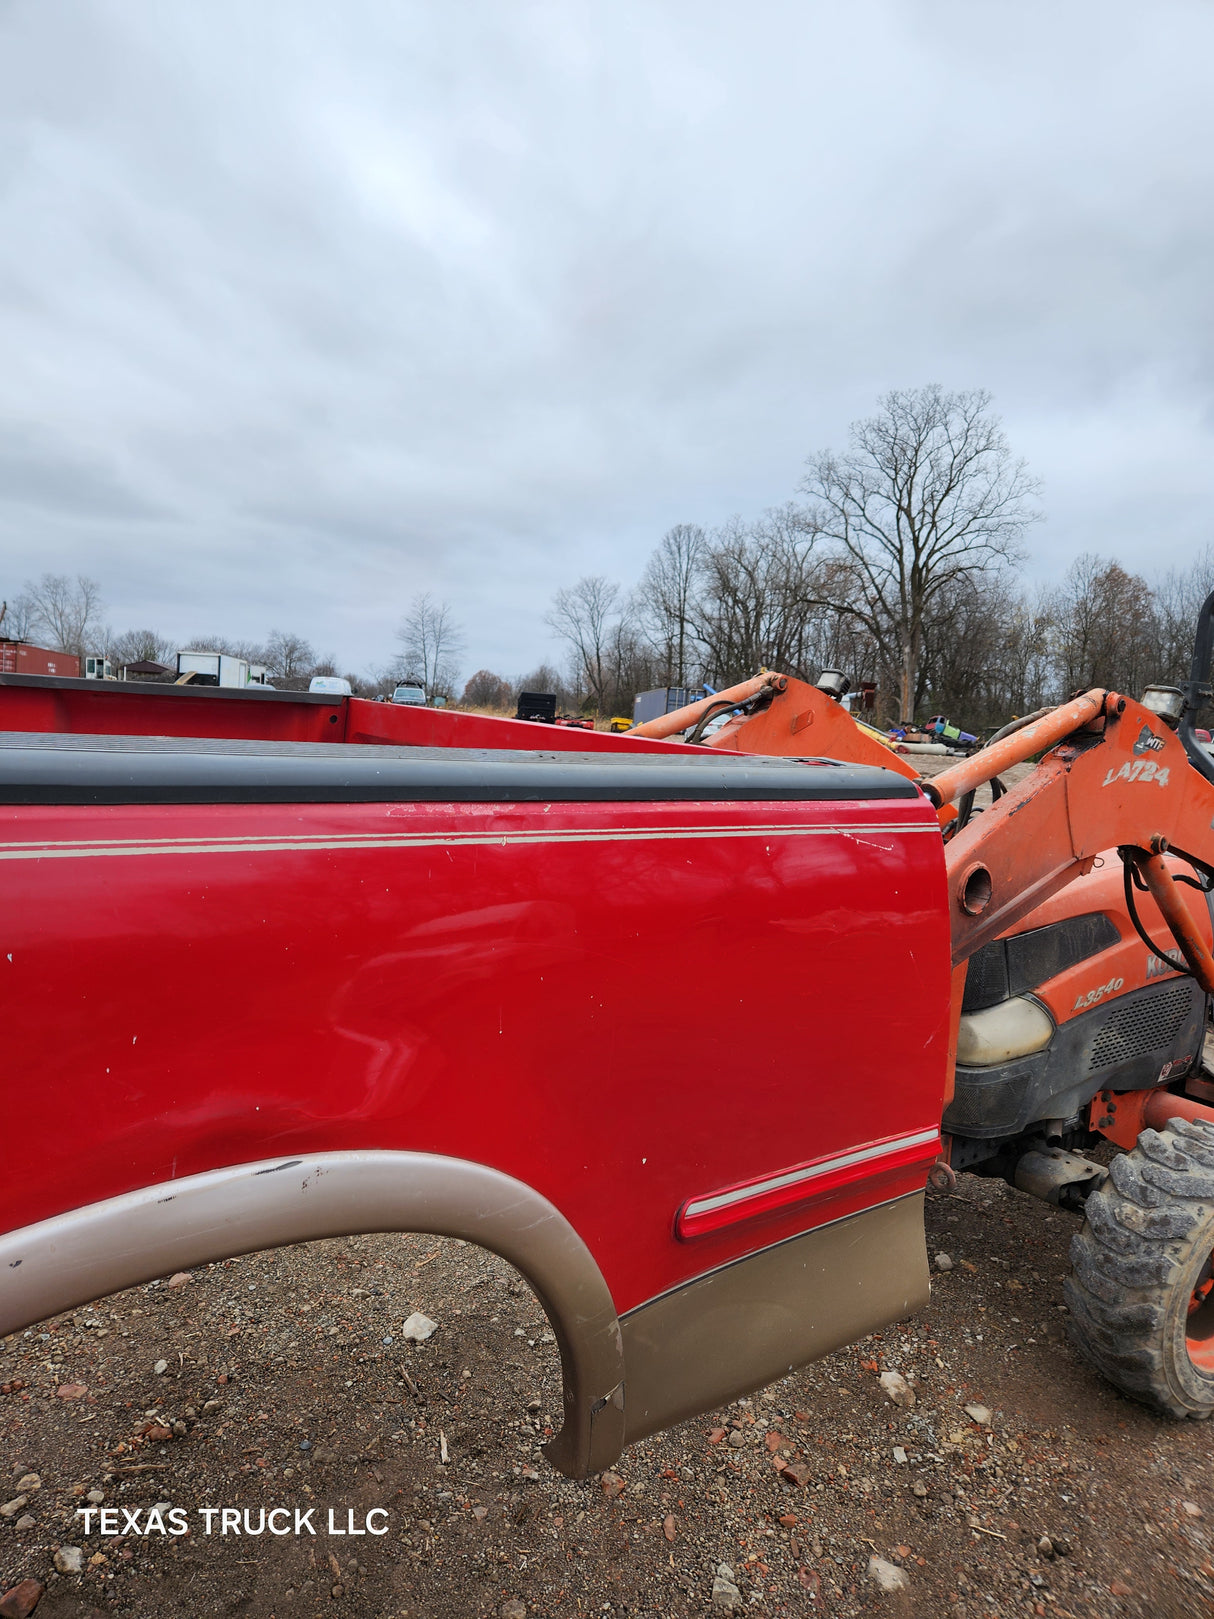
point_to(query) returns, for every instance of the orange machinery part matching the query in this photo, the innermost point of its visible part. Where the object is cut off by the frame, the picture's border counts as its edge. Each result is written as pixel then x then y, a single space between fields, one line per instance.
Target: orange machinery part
pixel 803 722
pixel 1011 750
pixel 682 718
pixel 1176 914
pixel 1121 1118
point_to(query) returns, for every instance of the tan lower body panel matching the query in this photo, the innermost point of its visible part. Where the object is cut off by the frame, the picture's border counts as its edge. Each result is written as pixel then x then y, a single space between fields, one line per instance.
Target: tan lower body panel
pixel 756 1320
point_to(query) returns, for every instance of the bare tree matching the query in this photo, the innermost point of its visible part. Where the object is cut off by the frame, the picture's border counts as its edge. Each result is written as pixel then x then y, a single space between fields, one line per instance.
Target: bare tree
pixel 141 646
pixel 290 659
pixel 65 611
pixel 762 600
pixel 18 619
pixel 431 641
pixel 546 678
pixel 585 616
pixel 665 600
pixel 927 494
pixel 1179 594
pixel 1105 628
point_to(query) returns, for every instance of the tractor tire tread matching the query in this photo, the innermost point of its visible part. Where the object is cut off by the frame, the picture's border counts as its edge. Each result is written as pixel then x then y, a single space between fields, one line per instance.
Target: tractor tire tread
pixel 1144 1231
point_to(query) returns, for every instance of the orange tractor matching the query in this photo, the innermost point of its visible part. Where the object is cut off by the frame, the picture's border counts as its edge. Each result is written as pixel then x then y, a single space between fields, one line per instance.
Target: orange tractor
pixel 1081 941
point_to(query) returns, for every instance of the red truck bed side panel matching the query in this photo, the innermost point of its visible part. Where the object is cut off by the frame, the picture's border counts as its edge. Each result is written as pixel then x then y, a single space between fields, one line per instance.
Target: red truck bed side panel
pixel 191 986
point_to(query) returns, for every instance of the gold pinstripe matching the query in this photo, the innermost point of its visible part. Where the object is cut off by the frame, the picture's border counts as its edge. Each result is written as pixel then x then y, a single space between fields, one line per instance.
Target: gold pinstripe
pixel 92 848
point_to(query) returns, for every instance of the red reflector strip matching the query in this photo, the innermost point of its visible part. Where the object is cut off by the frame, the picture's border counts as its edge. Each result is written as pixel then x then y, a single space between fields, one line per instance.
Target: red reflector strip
pixel 813 1179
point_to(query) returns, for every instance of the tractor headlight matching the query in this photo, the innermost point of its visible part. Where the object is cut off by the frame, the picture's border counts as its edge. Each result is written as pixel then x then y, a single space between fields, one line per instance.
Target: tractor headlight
pixel 1014 1028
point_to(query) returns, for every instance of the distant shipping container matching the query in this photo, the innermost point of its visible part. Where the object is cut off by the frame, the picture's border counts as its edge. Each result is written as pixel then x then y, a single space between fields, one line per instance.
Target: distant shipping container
pixel 651 705
pixel 19 658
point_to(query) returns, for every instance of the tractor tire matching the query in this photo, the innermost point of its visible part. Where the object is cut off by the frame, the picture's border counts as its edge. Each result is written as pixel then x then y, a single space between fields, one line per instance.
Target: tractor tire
pixel 1140 1295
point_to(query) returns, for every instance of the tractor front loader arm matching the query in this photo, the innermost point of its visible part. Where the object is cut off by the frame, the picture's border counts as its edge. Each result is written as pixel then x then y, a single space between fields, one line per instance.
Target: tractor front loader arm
pixel 1116 776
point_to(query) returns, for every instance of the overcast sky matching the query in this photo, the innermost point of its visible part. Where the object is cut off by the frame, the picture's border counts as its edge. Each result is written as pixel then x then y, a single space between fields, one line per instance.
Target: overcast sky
pixel 308 305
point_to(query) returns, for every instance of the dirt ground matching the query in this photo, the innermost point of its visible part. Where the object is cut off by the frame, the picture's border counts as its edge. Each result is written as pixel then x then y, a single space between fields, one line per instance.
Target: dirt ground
pixel 284 1381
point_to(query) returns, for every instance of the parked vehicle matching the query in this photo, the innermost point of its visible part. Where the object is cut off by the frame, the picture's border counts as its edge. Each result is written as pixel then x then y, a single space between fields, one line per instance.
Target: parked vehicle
pixel 414 696
pixel 332 685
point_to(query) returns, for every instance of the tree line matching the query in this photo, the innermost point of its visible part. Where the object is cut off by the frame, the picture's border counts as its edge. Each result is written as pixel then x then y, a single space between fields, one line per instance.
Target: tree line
pixel 899 565
pixel 66 613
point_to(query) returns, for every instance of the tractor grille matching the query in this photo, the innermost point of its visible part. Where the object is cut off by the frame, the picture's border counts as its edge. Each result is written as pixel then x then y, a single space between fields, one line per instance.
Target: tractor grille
pixel 1144 1024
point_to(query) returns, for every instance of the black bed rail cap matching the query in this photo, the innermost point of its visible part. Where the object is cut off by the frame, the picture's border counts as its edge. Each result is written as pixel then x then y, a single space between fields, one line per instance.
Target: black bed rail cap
pixel 38 768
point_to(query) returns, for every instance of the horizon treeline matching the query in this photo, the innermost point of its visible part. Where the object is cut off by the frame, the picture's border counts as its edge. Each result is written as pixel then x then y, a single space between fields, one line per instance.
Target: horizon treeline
pixel 717 607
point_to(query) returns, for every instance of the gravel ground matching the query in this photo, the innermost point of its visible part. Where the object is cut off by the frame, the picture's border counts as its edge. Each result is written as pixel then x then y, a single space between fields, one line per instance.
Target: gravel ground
pixel 283 1379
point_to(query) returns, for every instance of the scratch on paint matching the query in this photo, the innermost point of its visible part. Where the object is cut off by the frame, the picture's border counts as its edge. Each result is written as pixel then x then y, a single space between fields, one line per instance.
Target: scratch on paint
pixel 885 848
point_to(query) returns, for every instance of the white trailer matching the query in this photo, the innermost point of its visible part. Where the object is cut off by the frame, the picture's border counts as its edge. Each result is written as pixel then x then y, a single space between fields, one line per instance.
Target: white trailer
pixel 213 668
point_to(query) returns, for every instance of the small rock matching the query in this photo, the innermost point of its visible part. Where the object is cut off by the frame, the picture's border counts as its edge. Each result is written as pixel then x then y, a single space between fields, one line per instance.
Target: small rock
pixel 10 1509
pixel 887 1575
pixel 725 1572
pixel 725 1594
pixel 898 1389
pixel 668 1526
pixel 158 1433
pixel 71 1391
pixel 899 1455
pixel 31 1481
pixel 418 1328
pixel 512 1608
pixel 1120 1589
pixel 981 1414
pixel 480 1513
pixel 1062 1548
pixel 69 1559
pixel 1045 1546
pixel 611 1485
pixel 795 1474
pixel 27 1522
pixel 1189 1508
pixel 736 1439
pixel 789 1520
pixel 161 1367
pixel 21 1600
pixel 919 1488
pixel 180 1279
pixel 944 1262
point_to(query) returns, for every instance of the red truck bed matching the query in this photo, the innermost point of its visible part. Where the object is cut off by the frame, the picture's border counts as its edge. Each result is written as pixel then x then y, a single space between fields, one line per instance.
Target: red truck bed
pixel 262 990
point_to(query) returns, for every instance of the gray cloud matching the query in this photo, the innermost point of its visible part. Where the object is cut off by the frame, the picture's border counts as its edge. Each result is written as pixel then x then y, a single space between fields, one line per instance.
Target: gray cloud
pixel 304 308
